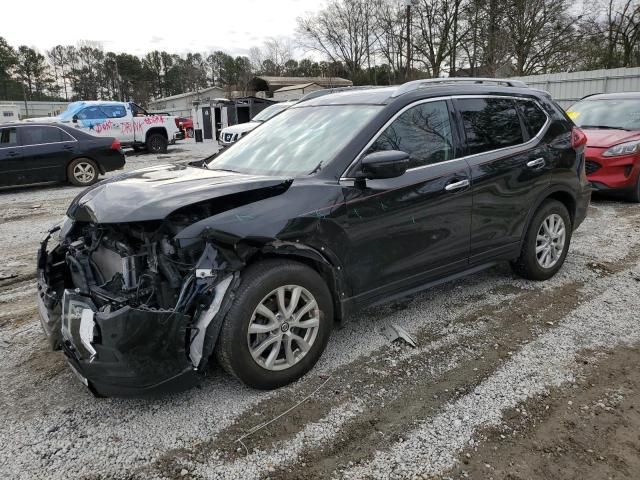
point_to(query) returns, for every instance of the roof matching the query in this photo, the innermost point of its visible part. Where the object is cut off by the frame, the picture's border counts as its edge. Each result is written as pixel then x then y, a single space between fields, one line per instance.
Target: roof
pixel 187 94
pixel 298 87
pixel 368 96
pixel 419 89
pixel 37 124
pixel 278 82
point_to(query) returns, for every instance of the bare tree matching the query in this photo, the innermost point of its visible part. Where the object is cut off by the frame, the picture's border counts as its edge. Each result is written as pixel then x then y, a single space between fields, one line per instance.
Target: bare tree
pixel 436 33
pixel 541 34
pixel 341 31
pixel 389 34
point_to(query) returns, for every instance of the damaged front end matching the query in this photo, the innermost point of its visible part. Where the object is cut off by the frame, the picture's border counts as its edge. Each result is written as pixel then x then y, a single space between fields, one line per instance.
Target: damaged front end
pixel 134 310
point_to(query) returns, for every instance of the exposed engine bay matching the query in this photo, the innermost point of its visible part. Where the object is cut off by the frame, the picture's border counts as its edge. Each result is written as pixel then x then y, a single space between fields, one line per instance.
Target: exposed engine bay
pixel 117 297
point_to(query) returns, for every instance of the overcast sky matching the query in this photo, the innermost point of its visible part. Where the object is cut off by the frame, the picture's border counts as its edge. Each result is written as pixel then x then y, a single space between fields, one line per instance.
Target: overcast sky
pixel 137 27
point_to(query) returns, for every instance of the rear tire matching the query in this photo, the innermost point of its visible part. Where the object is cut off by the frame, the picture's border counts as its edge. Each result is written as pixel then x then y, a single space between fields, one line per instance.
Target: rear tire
pixel 295 340
pixel 82 172
pixel 157 143
pixel 546 243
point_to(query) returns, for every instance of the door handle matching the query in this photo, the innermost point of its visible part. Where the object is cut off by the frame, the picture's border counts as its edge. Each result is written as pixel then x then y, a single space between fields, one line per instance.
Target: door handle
pixel 537 163
pixel 452 187
pixel 68 147
pixel 13 154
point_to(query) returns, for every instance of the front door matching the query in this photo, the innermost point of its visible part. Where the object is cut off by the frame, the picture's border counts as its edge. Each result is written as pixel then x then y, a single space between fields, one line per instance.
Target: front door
pixel 11 166
pixel 509 170
pixel 207 124
pixel 404 231
pixel 46 150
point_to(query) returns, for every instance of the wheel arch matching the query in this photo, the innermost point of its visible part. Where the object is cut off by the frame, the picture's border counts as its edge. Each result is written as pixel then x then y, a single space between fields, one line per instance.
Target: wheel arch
pixel 161 130
pixel 321 262
pixel 559 193
pixel 78 157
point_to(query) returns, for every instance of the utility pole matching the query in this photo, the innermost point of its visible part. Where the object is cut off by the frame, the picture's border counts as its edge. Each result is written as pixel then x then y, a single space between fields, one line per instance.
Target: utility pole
pixel 408 4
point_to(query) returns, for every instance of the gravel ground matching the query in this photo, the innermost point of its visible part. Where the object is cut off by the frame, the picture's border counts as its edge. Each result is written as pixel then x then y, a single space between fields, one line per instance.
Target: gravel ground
pixel 486 345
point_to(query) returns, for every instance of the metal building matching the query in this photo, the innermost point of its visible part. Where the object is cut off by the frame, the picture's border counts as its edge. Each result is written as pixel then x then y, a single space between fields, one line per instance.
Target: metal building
pixel 181 105
pixel 568 88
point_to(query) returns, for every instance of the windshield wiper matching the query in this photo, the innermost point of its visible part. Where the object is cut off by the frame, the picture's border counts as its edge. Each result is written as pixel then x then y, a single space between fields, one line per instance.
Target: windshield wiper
pixel 317 169
pixel 605 127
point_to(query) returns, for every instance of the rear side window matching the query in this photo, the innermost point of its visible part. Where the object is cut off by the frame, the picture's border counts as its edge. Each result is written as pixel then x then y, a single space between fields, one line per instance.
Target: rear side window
pixel 423 131
pixel 92 113
pixel 490 123
pixel 40 135
pixel 114 111
pixel 534 117
pixel 8 137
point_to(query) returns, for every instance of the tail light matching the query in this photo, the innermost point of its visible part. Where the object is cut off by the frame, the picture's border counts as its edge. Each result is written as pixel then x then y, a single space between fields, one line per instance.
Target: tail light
pixel 578 138
pixel 178 123
pixel 115 145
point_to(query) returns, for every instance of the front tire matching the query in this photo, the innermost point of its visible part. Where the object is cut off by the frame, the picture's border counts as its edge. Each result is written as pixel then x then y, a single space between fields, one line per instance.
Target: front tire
pixel 546 242
pixel 157 143
pixel 82 172
pixel 278 325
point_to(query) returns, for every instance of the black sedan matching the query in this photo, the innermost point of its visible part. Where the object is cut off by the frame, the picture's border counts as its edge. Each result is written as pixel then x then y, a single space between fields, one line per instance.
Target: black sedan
pixel 41 152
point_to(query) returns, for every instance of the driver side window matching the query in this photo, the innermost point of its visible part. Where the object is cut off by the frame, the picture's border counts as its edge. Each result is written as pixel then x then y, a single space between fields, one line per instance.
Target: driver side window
pixel 423 131
pixel 91 113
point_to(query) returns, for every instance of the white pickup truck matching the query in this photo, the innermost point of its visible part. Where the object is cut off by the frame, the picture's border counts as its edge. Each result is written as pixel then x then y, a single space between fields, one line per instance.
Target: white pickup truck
pixel 126 121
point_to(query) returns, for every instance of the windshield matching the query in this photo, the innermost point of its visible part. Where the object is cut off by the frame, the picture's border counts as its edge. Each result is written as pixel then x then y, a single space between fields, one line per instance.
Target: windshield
pixel 269 112
pixel 71 110
pixel 615 113
pixel 298 142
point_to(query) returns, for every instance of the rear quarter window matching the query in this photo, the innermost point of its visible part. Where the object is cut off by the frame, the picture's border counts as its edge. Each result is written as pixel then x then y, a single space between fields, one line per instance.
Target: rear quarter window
pixel 533 115
pixel 8 137
pixel 490 123
pixel 114 111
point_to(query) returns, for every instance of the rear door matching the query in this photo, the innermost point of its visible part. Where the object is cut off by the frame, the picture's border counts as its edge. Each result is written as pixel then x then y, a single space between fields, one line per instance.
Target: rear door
pixel 11 166
pixel 509 170
pixel 407 230
pixel 46 150
pixel 117 124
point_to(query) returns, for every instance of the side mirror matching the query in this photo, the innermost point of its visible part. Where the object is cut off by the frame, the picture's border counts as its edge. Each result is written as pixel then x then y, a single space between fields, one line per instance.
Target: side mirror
pixel 384 164
pixel 75 119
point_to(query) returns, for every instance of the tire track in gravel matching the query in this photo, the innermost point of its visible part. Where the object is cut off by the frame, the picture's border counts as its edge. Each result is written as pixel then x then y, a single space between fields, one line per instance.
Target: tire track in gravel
pixel 547 362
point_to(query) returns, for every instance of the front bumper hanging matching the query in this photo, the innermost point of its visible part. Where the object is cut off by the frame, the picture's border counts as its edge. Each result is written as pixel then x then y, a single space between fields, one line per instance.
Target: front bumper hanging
pixel 126 352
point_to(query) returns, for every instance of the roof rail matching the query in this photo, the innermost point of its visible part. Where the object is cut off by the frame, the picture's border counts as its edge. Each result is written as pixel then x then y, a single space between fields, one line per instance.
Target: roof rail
pixel 327 91
pixel 416 84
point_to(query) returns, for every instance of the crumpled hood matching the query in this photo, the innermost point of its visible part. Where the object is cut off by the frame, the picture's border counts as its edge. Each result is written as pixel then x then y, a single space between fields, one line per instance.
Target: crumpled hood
pixel 240 128
pixel 603 138
pixel 155 192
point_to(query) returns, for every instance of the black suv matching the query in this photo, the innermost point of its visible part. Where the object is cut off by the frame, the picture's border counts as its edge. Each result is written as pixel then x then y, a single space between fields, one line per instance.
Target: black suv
pixel 343 201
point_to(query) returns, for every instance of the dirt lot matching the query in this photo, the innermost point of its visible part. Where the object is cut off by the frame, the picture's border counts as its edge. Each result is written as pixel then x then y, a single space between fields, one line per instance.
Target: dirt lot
pixel 510 380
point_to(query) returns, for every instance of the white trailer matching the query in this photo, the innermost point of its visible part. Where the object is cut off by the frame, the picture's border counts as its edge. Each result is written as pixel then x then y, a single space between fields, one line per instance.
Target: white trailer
pixel 9 112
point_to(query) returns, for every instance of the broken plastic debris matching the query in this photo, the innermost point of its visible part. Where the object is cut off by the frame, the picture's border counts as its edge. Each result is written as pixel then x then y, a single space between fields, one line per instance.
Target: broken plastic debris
pixel 393 332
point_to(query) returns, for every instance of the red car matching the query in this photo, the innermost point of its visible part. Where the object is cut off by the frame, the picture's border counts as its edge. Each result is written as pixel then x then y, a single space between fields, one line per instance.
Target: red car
pixel 186 125
pixel 611 122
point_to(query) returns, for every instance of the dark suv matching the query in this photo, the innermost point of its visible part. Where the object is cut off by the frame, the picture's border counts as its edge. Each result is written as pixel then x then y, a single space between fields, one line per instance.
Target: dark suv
pixel 342 202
